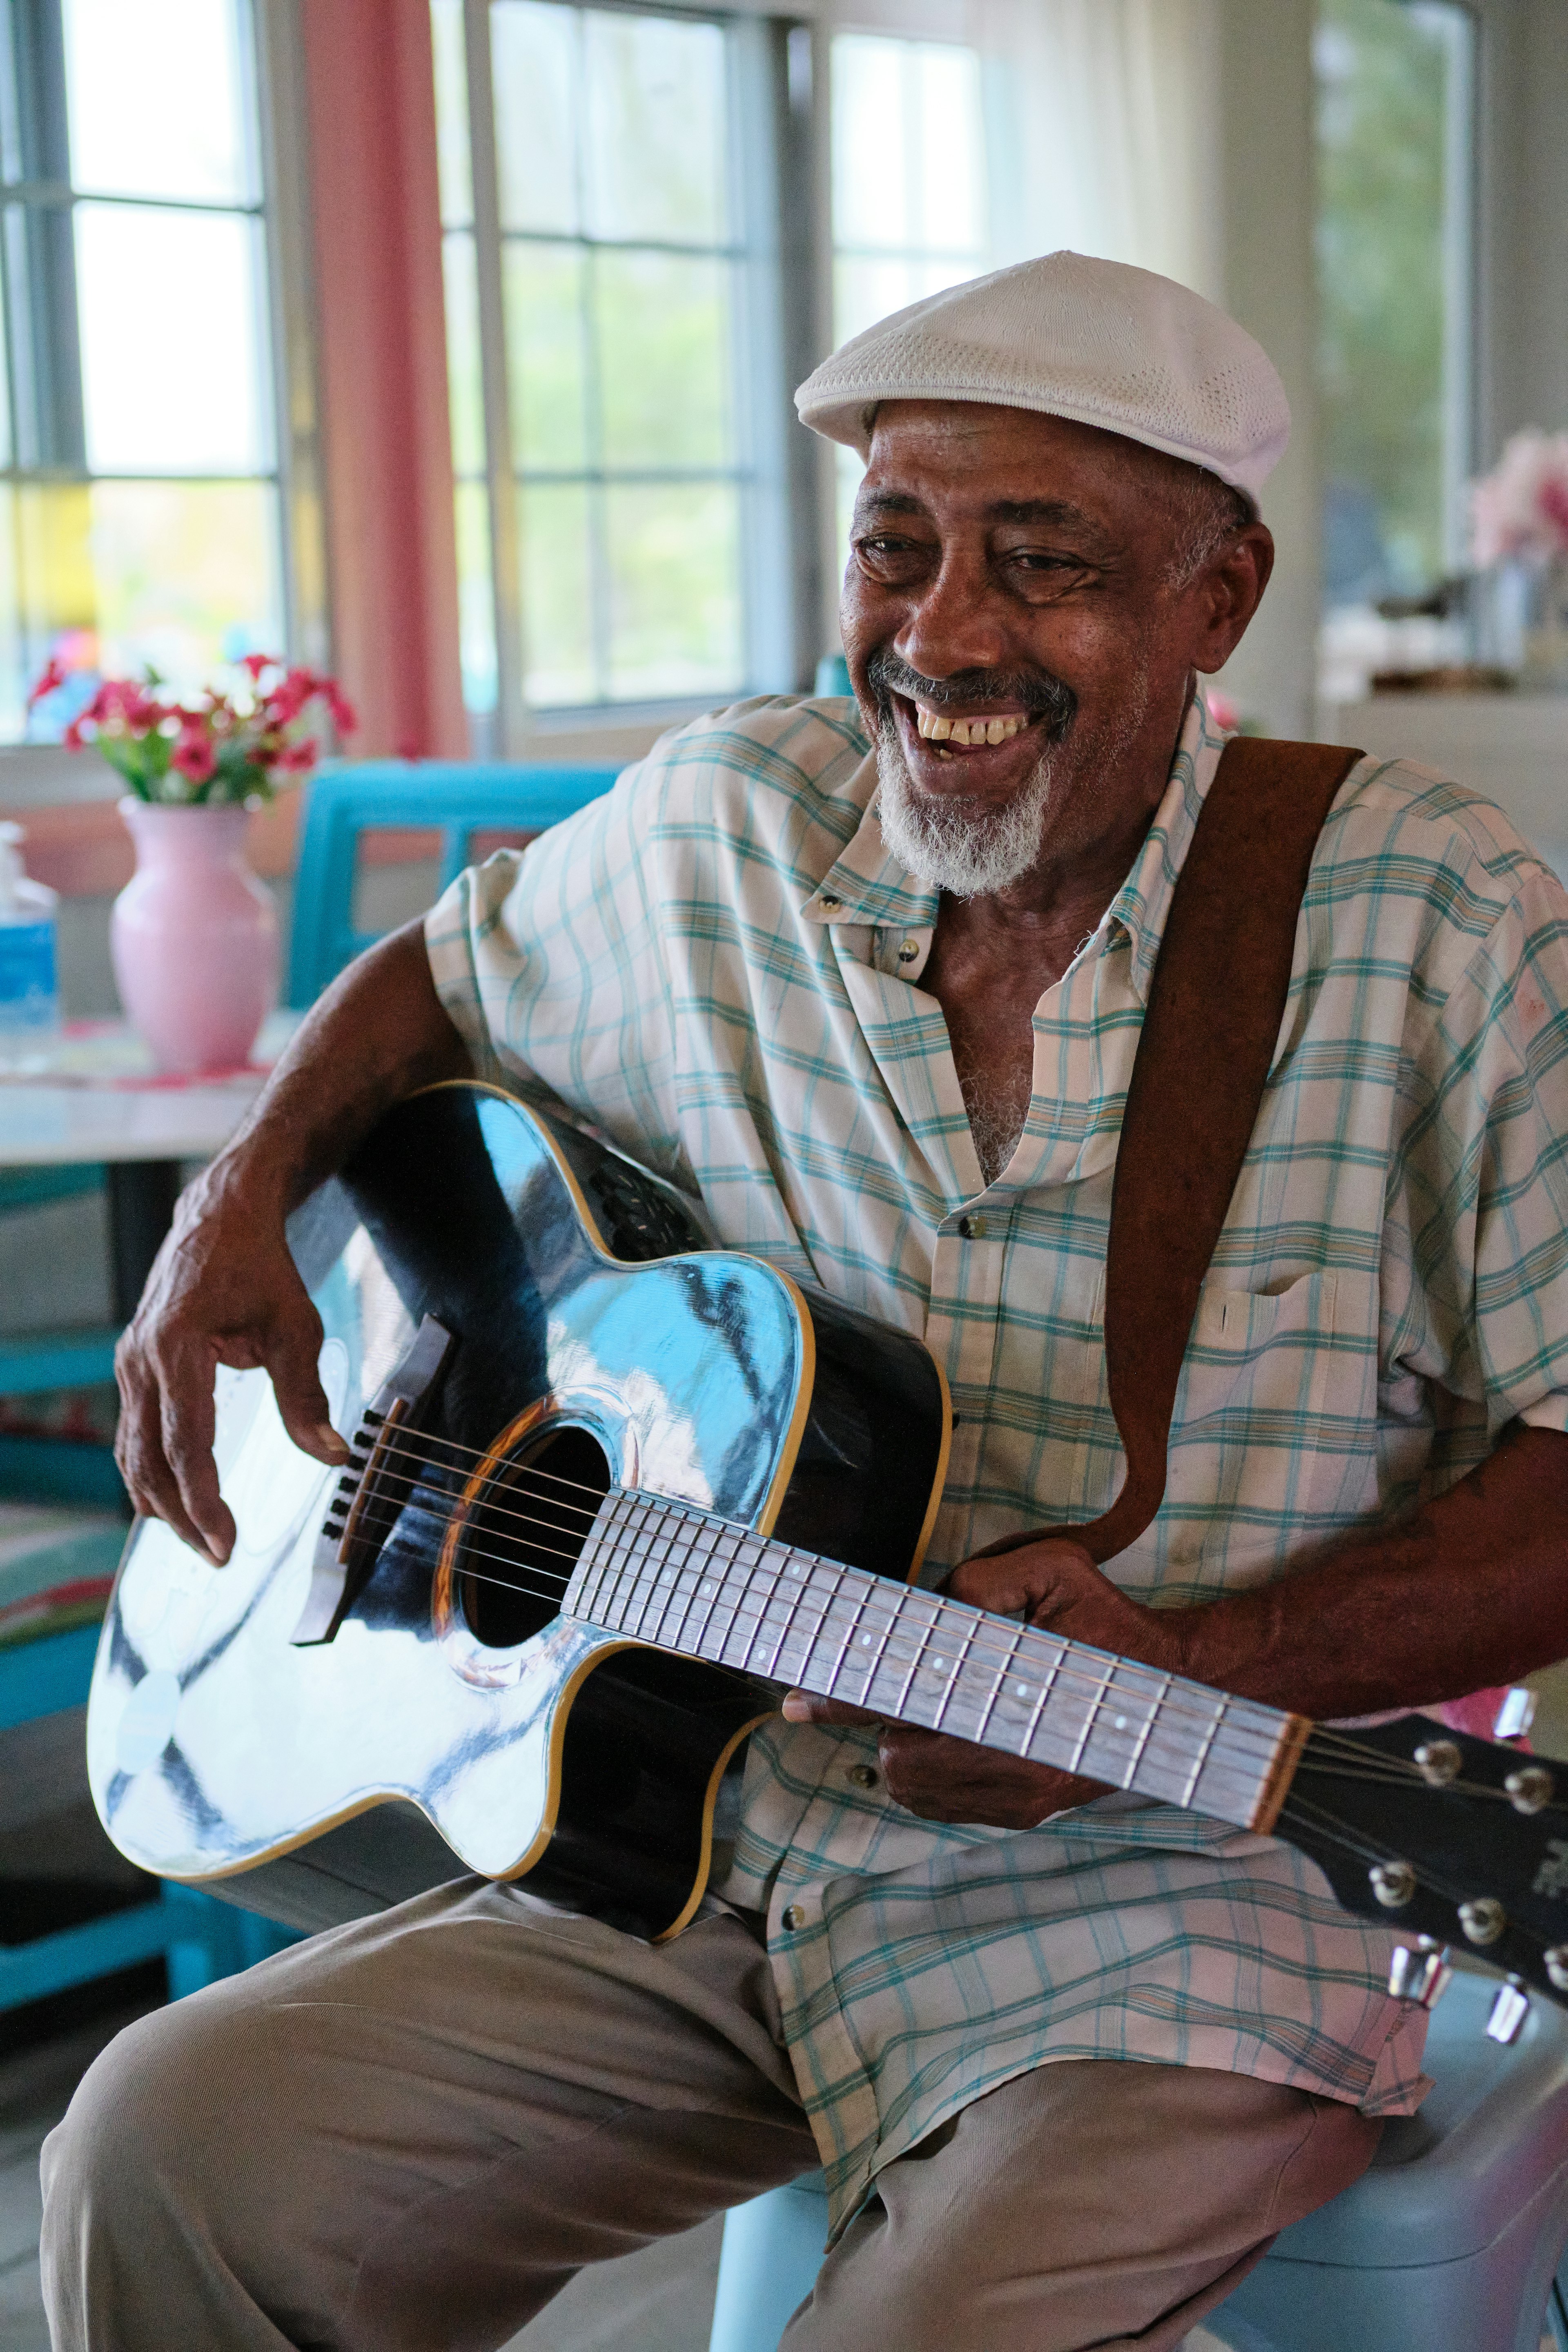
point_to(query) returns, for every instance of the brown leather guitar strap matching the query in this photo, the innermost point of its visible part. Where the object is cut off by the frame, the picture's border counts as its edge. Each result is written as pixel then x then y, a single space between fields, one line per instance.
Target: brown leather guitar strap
pixel 1216 1004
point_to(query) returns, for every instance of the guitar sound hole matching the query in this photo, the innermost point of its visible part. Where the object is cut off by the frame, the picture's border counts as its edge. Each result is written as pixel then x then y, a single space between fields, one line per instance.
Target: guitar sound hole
pixel 523 1537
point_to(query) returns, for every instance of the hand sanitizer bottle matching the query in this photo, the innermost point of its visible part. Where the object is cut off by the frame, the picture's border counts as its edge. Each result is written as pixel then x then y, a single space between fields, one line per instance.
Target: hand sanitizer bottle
pixel 30 994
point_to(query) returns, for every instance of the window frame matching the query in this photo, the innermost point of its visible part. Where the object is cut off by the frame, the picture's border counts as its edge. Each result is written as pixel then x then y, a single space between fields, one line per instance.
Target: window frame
pixel 775 249
pixel 48 434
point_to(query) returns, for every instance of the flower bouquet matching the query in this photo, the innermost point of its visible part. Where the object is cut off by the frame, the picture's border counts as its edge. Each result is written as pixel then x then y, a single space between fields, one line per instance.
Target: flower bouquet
pixel 194 931
pixel 1519 535
pixel 224 751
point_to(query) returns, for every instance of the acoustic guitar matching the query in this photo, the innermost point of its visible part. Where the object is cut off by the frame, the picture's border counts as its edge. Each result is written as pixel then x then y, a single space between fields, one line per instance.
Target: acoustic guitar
pixel 611 1487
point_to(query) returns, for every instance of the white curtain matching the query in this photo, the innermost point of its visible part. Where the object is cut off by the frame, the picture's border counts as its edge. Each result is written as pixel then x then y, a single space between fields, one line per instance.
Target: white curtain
pixel 1103 123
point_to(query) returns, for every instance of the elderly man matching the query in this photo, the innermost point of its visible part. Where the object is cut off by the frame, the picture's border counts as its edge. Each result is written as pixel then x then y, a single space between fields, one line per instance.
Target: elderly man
pixel 1069 2061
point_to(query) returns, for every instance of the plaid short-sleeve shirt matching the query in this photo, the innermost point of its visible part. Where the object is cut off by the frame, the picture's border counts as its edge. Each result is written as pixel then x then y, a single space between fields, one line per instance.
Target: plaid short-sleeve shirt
pixel 719 965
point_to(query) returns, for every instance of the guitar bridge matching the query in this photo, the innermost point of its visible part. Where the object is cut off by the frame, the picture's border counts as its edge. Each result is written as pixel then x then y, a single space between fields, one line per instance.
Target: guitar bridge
pixel 373 1488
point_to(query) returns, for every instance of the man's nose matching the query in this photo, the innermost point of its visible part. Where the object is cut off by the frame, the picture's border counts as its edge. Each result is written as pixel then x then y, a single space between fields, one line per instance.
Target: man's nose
pixel 952 624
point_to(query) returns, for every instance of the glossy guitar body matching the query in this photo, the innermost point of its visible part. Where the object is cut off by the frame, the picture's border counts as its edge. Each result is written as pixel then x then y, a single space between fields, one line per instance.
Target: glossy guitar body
pixel 453 1722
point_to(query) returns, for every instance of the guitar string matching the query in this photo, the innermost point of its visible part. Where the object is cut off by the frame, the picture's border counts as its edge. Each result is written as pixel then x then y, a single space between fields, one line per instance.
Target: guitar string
pixel 1323 1735
pixel 1168 1705
pixel 1171 1705
pixel 1219 1761
pixel 1356 1843
pixel 1369 1764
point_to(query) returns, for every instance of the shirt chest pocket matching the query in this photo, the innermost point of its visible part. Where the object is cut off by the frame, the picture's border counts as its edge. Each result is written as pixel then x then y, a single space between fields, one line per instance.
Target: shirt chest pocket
pixel 1273 1434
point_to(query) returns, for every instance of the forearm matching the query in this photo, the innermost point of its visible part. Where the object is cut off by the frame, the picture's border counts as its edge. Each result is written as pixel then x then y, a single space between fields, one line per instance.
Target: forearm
pixel 378 1032
pixel 1471 1591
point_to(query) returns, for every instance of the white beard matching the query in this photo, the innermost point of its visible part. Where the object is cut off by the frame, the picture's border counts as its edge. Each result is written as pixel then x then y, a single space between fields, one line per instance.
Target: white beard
pixel 959 844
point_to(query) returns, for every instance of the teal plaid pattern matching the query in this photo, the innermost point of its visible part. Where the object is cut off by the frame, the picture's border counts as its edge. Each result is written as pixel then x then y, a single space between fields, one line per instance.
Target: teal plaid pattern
pixel 718 966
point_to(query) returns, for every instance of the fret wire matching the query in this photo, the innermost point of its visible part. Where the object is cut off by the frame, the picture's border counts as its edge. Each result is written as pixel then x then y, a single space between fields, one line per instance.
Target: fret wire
pixel 722 1566
pixel 701 1562
pixel 1214 1756
pixel 933 1605
pixel 1046 1687
pixel 958 1666
pixel 591 1568
pixel 659 1558
pixel 1142 1742
pixel 667 1584
pixel 817 1630
pixel 1208 1740
pixel 745 1586
pixel 594 1588
pixel 635 1599
pixel 1002 1673
pixel 1083 1737
pixel 802 1581
pixel 849 1632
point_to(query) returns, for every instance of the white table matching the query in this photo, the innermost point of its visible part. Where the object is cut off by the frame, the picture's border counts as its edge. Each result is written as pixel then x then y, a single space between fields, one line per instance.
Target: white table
pixel 95 1096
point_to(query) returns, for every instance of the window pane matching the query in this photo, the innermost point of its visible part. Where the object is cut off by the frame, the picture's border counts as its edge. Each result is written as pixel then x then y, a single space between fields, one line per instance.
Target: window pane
pixel 476 599
pixel 949 185
pixel 1394 171
pixel 465 389
pixel 866 289
pixel 557 596
pixel 870 168
pixel 186 574
pixel 115 575
pixel 185 404
pixel 657 144
pixel 664 371
pixel 675 604
pixel 533 63
pixel 453 160
pixel 159 99
pixel 543 291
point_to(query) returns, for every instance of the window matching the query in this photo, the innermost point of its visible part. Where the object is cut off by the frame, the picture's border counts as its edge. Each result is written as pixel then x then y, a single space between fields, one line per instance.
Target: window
pixel 613 355
pixel 1395 84
pixel 909 196
pixel 139 502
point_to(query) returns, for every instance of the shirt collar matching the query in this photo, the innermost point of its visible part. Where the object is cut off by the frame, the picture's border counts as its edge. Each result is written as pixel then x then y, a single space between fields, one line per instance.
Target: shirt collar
pixel 1139 908
pixel 867 884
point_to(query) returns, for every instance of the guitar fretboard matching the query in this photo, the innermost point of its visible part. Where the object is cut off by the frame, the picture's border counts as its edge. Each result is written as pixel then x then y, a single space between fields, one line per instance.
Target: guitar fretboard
pixel 670 1576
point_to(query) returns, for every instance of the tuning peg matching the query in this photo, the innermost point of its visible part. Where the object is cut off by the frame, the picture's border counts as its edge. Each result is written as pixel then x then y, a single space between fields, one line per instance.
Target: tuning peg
pixel 1509 2011
pixel 1530 1789
pixel 1421 1974
pixel 1483 1919
pixel 1516 1713
pixel 1438 1761
pixel 1393 1882
pixel 1555 1962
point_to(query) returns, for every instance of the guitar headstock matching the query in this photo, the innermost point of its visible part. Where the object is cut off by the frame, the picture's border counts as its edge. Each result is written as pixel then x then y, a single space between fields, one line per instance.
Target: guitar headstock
pixel 1441 1837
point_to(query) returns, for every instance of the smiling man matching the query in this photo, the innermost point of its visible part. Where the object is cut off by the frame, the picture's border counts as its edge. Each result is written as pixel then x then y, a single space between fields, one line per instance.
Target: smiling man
pixel 870 979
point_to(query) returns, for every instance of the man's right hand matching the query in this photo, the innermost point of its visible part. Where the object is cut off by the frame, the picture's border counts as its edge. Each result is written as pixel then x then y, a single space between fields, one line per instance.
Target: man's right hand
pixel 224 1289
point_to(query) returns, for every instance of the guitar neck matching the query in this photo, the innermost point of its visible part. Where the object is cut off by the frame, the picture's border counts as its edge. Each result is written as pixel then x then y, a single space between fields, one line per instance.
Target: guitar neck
pixel 670 1576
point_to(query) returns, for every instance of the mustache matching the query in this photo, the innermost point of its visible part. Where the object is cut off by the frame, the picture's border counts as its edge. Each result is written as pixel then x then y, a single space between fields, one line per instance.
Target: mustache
pixel 1039 691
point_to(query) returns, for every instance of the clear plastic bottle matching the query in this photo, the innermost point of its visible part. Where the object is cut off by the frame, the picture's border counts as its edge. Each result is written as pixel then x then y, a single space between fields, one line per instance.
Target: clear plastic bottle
pixel 29 989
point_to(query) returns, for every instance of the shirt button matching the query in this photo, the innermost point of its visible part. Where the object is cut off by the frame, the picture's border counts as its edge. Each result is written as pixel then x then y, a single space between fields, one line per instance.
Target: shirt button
pixel 908 951
pixel 971 1229
pixel 826 899
pixel 793 1916
pixel 865 1775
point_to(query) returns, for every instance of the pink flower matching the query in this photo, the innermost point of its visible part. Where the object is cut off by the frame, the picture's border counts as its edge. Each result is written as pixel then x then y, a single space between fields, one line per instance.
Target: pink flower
pixel 1521 507
pixel 192 752
pixel 295 758
pixel 53 677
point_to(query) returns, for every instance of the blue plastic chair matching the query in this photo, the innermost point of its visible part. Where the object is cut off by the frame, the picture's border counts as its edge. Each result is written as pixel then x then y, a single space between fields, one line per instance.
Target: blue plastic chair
pixel 832 677
pixel 1451 2243
pixel 460 798
pixel 33 1362
pixel 198 1939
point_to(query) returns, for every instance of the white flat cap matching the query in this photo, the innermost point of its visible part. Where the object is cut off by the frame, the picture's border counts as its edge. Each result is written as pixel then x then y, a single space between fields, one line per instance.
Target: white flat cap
pixel 1096 341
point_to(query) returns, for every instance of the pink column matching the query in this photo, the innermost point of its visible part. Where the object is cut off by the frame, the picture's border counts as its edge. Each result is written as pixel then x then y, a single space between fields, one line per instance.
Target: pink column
pixel 383 360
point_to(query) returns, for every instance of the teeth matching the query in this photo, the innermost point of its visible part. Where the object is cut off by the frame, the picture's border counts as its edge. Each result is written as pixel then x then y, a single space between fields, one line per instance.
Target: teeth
pixel 936 727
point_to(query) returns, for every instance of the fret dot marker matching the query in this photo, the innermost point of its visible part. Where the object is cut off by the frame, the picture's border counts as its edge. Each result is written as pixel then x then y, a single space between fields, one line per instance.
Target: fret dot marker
pixel 1023 1689
pixel 1122 1723
pixel 705 1588
pixel 864 1641
pixel 937 1665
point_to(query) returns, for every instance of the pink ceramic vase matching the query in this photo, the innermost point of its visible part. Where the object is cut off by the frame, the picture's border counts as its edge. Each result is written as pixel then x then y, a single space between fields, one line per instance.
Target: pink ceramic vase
pixel 194 937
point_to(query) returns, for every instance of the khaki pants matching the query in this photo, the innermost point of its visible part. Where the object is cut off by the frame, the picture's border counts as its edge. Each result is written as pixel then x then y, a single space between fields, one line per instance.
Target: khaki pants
pixel 408 2135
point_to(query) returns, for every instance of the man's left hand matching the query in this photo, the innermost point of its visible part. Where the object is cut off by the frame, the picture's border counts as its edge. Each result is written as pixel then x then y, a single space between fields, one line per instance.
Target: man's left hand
pixel 1056 1585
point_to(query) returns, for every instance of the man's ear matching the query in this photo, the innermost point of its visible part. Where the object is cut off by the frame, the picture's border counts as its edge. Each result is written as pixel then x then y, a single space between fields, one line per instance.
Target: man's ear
pixel 1228 593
